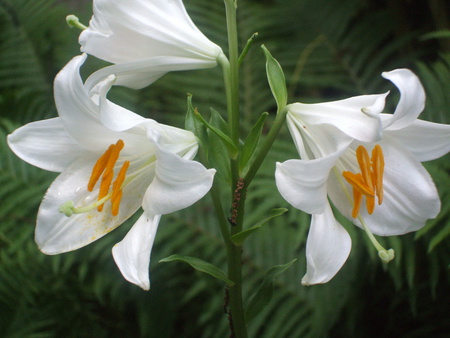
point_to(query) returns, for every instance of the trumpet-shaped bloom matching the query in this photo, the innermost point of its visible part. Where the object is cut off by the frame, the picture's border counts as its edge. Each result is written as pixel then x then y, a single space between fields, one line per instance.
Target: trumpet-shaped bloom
pixel 146 39
pixel 374 179
pixel 112 162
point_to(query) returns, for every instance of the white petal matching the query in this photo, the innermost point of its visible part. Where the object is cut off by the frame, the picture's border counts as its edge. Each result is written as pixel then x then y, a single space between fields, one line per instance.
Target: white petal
pixel 113 116
pixel 138 74
pixel 303 182
pixel 132 254
pixel 425 140
pixel 79 114
pixel 356 117
pixel 45 144
pixel 327 248
pixel 178 184
pixel 315 141
pixel 122 31
pixel 57 233
pixel 412 98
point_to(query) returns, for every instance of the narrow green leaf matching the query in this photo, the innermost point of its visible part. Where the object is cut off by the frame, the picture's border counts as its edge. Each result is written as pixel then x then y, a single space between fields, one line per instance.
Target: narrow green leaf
pixel 232 149
pixel 438 238
pixel 251 142
pixel 240 237
pixel 200 265
pixel 218 153
pixel 276 78
pixel 193 124
pixel 263 295
pixel 247 48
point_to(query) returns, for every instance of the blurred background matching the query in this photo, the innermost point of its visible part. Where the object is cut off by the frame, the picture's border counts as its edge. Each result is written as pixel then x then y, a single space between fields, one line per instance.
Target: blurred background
pixel 329 50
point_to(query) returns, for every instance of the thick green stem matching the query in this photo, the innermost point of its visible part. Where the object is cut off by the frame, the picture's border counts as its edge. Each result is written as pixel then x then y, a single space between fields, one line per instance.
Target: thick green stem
pixel 234 253
pixel 238 325
pixel 232 79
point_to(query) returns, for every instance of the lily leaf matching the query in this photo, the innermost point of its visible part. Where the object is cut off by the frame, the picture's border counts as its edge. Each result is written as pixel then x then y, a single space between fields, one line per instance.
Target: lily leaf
pixel 251 142
pixel 200 265
pixel 276 78
pixel 232 149
pixel 193 124
pixel 240 237
pixel 264 293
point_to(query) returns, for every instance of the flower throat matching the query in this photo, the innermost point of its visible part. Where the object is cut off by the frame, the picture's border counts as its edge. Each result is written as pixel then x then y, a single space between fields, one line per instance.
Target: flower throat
pixel 104 168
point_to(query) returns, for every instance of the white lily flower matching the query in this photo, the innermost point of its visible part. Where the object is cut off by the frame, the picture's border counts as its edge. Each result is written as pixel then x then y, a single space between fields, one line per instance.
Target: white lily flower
pixel 399 193
pixel 112 162
pixel 146 39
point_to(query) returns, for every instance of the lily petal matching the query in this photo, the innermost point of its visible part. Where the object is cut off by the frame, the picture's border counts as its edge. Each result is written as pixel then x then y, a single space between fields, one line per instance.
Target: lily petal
pixel 113 116
pixel 356 117
pixel 412 98
pixel 122 31
pixel 425 140
pixel 303 183
pixel 78 113
pixel 178 184
pixel 45 144
pixel 327 248
pixel 138 74
pixel 132 254
pixel 56 233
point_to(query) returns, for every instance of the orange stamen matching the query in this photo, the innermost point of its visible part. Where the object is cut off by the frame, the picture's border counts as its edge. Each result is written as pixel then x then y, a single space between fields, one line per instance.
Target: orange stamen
pixel 370 204
pixel 117 188
pixel 108 174
pixel 357 182
pixel 369 182
pixel 364 164
pixel 378 171
pixel 357 199
pixel 99 167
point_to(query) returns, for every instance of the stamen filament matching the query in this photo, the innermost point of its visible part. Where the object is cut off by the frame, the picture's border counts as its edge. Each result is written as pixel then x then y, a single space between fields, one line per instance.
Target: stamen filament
pixel 69 209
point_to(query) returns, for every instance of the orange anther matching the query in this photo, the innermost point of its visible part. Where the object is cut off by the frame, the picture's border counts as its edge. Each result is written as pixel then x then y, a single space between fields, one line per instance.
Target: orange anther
pixel 99 167
pixel 105 165
pixel 117 188
pixel 357 199
pixel 378 171
pixel 369 182
pixel 357 182
pixel 364 164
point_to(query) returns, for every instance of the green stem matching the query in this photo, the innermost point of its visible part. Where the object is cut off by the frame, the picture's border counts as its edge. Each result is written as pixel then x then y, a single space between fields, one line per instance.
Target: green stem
pixel 234 253
pixel 238 326
pixel 232 81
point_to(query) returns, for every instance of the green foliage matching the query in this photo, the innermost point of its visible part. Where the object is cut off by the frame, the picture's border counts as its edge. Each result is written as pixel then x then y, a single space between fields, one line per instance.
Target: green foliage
pixel 328 50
